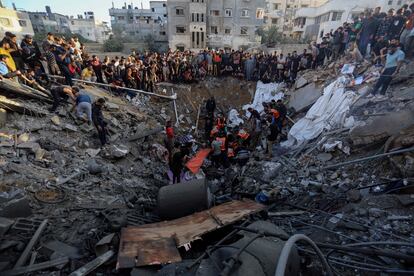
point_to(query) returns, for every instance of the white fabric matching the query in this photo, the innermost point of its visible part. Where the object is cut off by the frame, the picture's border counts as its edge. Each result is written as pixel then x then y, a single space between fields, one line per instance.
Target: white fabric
pixel 234 118
pixel 328 112
pixel 264 93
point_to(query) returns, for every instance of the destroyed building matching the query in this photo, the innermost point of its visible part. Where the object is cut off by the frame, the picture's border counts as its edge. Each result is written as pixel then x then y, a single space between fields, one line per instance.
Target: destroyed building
pixel 337 197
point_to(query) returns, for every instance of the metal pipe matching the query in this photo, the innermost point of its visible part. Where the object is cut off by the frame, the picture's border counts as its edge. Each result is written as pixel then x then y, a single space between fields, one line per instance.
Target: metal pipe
pixel 172 97
pixel 287 248
pixel 368 158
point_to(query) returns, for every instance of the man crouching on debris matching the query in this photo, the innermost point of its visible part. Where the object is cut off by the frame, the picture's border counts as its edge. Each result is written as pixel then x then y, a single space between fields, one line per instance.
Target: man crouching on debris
pixel 393 62
pixel 99 120
pixel 83 105
pixel 60 93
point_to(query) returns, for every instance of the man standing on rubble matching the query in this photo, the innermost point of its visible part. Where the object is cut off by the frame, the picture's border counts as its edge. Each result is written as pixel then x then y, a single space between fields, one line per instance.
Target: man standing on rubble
pixel 393 62
pixel 99 120
pixel 272 134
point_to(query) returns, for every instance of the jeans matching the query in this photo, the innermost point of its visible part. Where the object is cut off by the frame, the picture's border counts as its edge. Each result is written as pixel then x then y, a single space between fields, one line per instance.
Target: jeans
pixel 68 77
pixel 384 80
pixel 84 108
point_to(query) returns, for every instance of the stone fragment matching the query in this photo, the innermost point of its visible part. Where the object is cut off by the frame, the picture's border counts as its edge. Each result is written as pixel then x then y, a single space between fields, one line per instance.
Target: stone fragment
pixel 353 195
pixel 324 157
pixel 376 212
pixel 56 120
pixel 70 127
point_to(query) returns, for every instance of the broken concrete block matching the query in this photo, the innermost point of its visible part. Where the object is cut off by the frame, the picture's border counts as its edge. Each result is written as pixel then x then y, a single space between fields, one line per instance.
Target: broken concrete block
pixel 270 170
pixel 301 82
pixel 93 152
pixel 70 127
pixel 118 151
pixel 3 117
pixel 111 106
pixel 32 146
pixel 23 138
pixel 304 97
pixel 353 195
pixel 56 120
pixel 15 208
pixel 5 224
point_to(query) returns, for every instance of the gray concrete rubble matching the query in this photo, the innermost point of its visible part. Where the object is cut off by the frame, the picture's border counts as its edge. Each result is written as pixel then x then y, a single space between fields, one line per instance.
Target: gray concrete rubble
pixel 71 207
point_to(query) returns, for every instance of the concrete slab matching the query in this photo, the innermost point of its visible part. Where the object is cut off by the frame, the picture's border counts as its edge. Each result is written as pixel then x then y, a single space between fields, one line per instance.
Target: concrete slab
pixel 382 127
pixel 5 224
pixel 15 208
pixel 301 82
pixel 304 97
pixel 404 95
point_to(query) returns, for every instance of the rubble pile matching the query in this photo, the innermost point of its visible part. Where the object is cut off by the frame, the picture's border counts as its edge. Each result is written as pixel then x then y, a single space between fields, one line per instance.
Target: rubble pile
pixel 341 176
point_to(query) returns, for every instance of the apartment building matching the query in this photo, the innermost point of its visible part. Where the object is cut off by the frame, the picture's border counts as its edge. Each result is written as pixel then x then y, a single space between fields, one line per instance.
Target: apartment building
pixel 88 27
pixel 16 22
pixel 314 23
pixel 49 21
pixel 139 22
pixel 197 24
pixel 281 13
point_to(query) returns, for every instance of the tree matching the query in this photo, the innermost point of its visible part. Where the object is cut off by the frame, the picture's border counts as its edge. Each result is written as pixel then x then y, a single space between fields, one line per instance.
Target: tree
pixel 272 35
pixel 113 45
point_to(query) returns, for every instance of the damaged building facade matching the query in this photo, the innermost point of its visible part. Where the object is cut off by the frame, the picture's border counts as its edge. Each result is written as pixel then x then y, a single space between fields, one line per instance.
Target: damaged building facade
pixel 197 24
pixel 139 23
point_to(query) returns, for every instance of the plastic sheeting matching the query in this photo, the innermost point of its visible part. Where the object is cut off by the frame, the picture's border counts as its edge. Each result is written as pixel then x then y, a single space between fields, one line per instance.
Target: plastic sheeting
pixel 265 92
pixel 329 112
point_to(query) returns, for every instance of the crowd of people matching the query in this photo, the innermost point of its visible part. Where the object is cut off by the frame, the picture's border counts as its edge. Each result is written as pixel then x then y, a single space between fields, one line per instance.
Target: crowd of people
pixel 369 35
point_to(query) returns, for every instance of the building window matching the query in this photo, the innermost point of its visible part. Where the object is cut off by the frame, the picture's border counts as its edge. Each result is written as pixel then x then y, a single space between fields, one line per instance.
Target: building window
pixel 180 30
pixel 5 22
pixel 22 23
pixel 165 15
pixel 162 33
pixel 275 20
pixel 276 6
pixel 399 2
pixel 179 11
pixel 213 30
pixel 121 17
pixel 336 16
pixel 228 12
pixel 304 6
pixel 72 22
pixel 245 13
pixel 214 12
pixel 227 31
pixel 164 5
pixel 244 30
pixel 202 17
pixel 389 2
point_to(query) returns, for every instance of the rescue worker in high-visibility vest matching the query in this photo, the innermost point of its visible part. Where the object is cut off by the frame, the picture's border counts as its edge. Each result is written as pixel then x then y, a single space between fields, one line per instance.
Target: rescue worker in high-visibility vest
pixel 232 146
pixel 221 122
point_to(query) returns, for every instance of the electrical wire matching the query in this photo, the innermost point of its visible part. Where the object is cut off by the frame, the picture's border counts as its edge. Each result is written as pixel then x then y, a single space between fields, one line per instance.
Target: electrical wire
pixel 287 248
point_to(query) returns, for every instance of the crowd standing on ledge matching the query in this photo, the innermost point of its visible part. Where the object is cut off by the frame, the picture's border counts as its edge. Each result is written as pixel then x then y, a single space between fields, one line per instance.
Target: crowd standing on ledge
pixel 368 36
